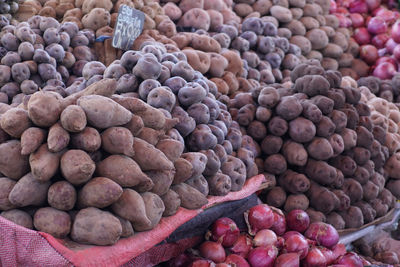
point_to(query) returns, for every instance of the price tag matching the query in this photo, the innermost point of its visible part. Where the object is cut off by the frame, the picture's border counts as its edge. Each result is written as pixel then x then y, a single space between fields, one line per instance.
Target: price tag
pixel 128 27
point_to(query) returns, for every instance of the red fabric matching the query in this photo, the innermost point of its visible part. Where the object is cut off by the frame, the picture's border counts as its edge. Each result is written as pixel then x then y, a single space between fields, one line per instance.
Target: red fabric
pixel 23 247
pixel 120 253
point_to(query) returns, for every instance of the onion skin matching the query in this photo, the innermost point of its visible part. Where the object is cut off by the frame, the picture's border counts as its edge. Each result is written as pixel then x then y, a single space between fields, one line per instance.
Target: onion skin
pixel 377 25
pixel 350 260
pixel 314 258
pixel 212 251
pixel 328 254
pixel 325 234
pixel 262 256
pixel 369 54
pixel 390 45
pixel 260 217
pixel 242 246
pixel 288 259
pixel 225 231
pixel 339 250
pixel 358 7
pixel 238 260
pixel 298 220
pixel 279 226
pixel 296 244
pixel 380 40
pixel 357 20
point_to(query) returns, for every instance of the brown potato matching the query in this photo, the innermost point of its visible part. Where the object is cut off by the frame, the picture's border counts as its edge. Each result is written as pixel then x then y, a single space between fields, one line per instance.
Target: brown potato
pixel 12 163
pixel 99 192
pixel 31 139
pixel 6 185
pixel 190 197
pixel 94 226
pixel 88 140
pixel 52 221
pixel 58 138
pixel 62 195
pixel 29 191
pixel 172 202
pixel 76 166
pixel 44 164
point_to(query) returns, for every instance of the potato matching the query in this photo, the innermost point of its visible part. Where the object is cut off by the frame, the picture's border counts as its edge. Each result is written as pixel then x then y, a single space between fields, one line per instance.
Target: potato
pixel 296 202
pixel 102 112
pixel 124 171
pixel 219 184
pixel 190 197
pixel 88 140
pixel 318 39
pixel 58 138
pixel 52 221
pixel 275 164
pixel 151 158
pixel 315 216
pixel 31 139
pixel 12 163
pixel 117 140
pixel 154 209
pixel 276 197
pixel 196 18
pixel 99 192
pixel 368 212
pixel 18 217
pixel 94 226
pixel 344 200
pixel 131 206
pixel 29 191
pixel 44 108
pixel 15 121
pixel 76 166
pixel 301 130
pixel 6 186
pixel 62 195
pixel 73 119
pixel 293 182
pixel 335 220
pixel 325 127
pixel 282 14
pixel 353 189
pixel 370 191
pixel 353 217
pixel 44 164
pixel 380 208
pixel 199 183
pixel 172 202
pixel 322 199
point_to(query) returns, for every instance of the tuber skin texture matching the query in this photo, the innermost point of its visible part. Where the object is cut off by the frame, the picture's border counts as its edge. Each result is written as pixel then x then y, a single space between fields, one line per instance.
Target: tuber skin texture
pixel 295 183
pixel 276 197
pixel 294 153
pixel 295 202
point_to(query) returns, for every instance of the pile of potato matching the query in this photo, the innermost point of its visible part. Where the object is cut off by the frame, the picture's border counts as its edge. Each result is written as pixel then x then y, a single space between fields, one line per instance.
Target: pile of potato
pixel 160 142
pixel 42 54
pixel 386 89
pixel 8 8
pixel 325 147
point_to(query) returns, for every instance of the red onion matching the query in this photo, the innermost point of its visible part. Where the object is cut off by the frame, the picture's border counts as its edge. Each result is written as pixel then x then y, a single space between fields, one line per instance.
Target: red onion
pixel 264 238
pixel 298 220
pixel 260 217
pixel 262 256
pixel 279 226
pixel 372 4
pixel 223 265
pixel 395 33
pixel 332 7
pixel 343 20
pixel 242 246
pixel 328 254
pixel 374 12
pixel 225 231
pixel 379 41
pixel 337 265
pixel 338 251
pixel 325 234
pixel 387 15
pixel 377 25
pixel 202 263
pixel 358 6
pixel 357 20
pixel 350 260
pixel 288 259
pixel 396 52
pixel 386 59
pixel 369 53
pixel 384 71
pixel 237 261
pixel 296 244
pixel 290 233
pixel 390 45
pixel 362 36
pixel 315 258
pixel 212 251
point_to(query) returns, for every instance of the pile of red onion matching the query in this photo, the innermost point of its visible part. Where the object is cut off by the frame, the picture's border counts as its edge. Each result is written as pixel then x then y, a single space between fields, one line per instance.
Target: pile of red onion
pixel 376 28
pixel 273 240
